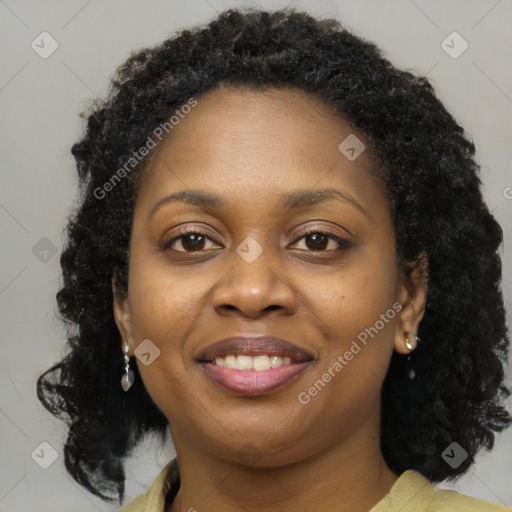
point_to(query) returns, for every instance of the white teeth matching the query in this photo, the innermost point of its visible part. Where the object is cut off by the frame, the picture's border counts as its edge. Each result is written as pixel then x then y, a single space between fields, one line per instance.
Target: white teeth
pixel 276 361
pixel 230 362
pixel 259 363
pixel 243 362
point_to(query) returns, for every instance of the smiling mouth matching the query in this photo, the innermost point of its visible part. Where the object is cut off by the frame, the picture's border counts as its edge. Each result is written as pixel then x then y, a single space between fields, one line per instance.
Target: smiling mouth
pixel 253 364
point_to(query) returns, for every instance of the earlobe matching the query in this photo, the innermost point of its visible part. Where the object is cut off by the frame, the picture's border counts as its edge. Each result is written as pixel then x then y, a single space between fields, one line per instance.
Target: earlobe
pixel 412 295
pixel 122 316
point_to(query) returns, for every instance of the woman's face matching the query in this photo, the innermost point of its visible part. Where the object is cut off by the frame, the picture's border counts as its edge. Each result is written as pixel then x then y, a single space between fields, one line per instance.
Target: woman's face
pixel 254 270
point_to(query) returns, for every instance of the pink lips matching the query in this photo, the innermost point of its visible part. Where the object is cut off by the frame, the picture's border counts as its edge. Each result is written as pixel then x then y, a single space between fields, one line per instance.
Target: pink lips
pixel 254 382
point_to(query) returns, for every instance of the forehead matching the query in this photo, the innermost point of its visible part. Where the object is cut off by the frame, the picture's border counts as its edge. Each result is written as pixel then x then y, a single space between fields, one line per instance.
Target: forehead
pixel 251 142
pixel 257 120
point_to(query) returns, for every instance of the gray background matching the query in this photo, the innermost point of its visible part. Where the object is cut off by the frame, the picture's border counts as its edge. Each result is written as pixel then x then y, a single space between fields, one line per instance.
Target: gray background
pixel 40 100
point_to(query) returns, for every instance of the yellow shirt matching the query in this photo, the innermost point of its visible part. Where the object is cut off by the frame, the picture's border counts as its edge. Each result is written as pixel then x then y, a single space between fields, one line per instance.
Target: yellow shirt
pixel 412 492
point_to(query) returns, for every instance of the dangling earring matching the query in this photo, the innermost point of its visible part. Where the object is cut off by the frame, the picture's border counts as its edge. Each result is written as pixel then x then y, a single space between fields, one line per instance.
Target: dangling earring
pixel 127 378
pixel 411 345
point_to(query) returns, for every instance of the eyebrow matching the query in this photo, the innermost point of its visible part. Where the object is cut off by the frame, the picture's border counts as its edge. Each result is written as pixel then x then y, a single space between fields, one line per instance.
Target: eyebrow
pixel 290 201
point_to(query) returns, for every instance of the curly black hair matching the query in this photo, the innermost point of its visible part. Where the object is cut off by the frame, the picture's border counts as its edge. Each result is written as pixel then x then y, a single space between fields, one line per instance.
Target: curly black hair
pixel 429 175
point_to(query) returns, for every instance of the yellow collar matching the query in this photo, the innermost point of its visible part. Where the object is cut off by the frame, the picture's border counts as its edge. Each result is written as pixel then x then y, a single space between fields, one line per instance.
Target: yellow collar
pixel 411 492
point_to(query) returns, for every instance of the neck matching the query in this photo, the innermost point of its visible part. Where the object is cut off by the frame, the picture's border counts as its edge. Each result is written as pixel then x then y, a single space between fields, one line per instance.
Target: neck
pixel 351 476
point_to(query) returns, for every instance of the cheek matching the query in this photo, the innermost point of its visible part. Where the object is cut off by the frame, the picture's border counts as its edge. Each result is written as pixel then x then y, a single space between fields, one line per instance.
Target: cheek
pixel 164 302
pixel 164 309
pixel 359 315
pixel 352 298
pixel 346 387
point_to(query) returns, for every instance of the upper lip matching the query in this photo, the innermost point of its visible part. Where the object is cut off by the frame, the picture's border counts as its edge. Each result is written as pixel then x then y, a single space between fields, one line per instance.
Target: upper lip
pixel 254 345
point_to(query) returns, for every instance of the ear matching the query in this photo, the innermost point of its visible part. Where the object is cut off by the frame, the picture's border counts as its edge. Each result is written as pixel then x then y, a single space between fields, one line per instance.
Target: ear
pixel 412 295
pixel 122 317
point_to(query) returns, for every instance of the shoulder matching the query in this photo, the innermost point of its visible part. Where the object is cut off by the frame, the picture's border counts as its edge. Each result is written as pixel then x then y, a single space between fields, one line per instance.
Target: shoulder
pixel 454 501
pixel 138 504
pixel 167 482
pixel 414 493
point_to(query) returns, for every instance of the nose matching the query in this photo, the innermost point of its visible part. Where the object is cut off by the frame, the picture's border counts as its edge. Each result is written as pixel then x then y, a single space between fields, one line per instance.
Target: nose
pixel 254 289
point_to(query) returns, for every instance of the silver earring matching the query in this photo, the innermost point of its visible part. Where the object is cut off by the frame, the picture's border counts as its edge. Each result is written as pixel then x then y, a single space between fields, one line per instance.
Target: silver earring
pixel 128 377
pixel 411 347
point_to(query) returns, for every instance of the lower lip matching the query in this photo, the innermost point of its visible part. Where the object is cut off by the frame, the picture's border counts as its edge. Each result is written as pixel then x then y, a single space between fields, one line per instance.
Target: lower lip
pixel 254 382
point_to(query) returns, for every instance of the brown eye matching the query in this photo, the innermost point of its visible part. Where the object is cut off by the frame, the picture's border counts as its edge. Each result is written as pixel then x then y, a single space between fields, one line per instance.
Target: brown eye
pixel 190 241
pixel 318 241
pixel 321 241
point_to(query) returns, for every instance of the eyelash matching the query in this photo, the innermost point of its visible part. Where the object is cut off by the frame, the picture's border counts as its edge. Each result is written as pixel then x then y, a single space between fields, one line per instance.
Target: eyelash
pixel 343 243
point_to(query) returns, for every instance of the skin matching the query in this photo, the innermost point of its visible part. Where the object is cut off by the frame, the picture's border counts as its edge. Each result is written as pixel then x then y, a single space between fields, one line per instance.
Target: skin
pixel 250 147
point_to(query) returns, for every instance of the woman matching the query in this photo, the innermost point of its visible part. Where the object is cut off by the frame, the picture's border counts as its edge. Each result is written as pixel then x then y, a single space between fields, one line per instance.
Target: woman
pixel 281 253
